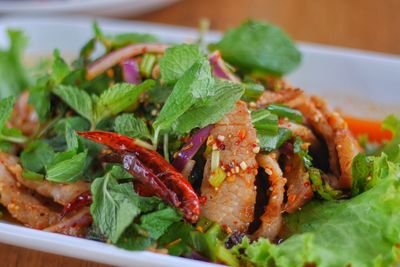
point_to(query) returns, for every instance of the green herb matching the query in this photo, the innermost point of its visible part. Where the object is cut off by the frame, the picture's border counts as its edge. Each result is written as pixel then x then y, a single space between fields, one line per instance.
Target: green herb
pixel 119 97
pixel 60 69
pixel 113 101
pixel 13 75
pixel 323 189
pixel 157 222
pixel 269 142
pixel 36 156
pixel 392 148
pixel 114 206
pixel 252 91
pixel 71 138
pixel 285 112
pixel 299 149
pixel 147 64
pixel 33 176
pixel 195 83
pixel 67 171
pixel 8 135
pixel 77 99
pixel 120 40
pixel 264 121
pixel 368 171
pixel 333 233
pixel 177 60
pixel 211 109
pixel 259 47
pixel 128 124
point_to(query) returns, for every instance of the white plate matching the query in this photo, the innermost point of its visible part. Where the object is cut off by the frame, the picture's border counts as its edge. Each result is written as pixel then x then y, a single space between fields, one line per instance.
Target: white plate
pixel 360 83
pixel 92 7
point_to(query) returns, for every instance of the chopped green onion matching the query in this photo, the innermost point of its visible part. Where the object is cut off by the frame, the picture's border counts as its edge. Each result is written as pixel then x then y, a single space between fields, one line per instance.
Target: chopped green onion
pixel 217 176
pixel 285 112
pixel 214 159
pixel 146 66
pixel 265 121
pixel 252 91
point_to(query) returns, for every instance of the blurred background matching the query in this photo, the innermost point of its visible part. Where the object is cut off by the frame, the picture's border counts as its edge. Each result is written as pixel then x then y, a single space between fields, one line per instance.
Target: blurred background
pixel 364 24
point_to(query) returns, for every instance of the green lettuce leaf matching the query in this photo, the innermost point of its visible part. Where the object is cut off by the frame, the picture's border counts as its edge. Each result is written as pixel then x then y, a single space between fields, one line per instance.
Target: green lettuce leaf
pixel 362 231
pixel 392 148
pixel 259 47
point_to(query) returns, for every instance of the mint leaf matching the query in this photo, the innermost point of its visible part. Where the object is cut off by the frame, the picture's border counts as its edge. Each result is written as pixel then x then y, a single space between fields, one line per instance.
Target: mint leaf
pixel 210 109
pixel 77 99
pixel 194 85
pixel 177 231
pixel 13 76
pixel 128 124
pixel 67 171
pixel 60 69
pixel 114 206
pixel 36 156
pixel 119 97
pixel 257 46
pixel 6 108
pixel 32 176
pixel 157 222
pixel 177 60
pixel 71 137
pixel 122 39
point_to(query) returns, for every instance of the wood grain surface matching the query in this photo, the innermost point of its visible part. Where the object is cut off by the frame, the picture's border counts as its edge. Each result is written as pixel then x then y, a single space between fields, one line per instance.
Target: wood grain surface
pixel 364 24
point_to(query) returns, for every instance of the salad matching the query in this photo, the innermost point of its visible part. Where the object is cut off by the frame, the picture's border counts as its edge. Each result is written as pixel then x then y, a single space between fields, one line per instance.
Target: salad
pixel 196 150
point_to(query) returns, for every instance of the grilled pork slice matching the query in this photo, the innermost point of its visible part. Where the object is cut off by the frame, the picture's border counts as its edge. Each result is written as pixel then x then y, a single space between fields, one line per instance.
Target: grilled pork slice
pixel 232 203
pixel 342 146
pixel 299 190
pixel 271 220
pixel 22 204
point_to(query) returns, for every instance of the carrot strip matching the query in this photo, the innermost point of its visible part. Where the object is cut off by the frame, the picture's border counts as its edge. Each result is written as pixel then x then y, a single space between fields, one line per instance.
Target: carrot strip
pixel 372 128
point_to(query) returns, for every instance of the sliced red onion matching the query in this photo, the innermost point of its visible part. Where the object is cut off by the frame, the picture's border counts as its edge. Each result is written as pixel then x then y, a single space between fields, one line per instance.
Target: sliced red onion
pixel 130 71
pixel 120 55
pixel 220 69
pixel 191 147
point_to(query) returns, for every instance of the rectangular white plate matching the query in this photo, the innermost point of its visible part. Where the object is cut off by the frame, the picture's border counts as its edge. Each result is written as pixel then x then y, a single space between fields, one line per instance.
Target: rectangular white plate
pixel 359 83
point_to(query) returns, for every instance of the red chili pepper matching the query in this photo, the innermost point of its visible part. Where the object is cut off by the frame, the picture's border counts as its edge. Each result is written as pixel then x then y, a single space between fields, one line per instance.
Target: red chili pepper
pixel 152 170
pixel 80 201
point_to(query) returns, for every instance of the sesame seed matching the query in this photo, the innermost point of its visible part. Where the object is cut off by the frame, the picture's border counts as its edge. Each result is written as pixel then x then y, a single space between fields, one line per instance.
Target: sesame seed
pixel 268 171
pixel 221 138
pixel 256 149
pixel 243 165
pixel 237 170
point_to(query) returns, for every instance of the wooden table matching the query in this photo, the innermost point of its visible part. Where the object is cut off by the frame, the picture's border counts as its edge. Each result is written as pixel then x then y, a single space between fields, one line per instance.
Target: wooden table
pixel 365 24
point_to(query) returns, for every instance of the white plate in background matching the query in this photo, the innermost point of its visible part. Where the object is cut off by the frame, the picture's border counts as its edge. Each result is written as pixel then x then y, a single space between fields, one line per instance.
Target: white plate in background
pixel 91 7
pixel 360 83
